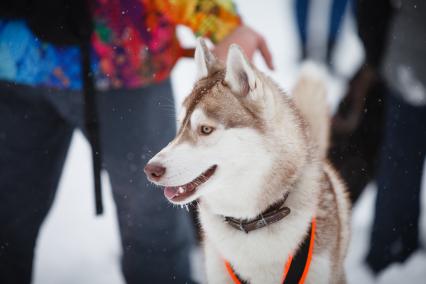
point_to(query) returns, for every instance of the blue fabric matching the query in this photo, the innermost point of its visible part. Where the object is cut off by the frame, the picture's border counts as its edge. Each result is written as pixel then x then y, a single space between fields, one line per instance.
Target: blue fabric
pixel 337 11
pixel 301 17
pixel 26 60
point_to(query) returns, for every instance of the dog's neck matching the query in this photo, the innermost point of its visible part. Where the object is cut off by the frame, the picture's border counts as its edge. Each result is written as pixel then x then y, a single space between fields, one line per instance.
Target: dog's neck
pixel 301 197
pixel 274 213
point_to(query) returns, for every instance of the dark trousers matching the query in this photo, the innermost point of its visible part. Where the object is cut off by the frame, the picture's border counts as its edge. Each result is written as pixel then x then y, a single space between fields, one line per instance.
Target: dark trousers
pixel 395 233
pixel 36 126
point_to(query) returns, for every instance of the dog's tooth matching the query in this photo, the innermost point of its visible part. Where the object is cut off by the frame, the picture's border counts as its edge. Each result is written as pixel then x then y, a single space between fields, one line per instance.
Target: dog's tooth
pixel 181 190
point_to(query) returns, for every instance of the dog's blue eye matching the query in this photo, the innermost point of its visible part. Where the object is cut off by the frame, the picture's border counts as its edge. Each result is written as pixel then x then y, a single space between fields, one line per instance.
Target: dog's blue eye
pixel 206 130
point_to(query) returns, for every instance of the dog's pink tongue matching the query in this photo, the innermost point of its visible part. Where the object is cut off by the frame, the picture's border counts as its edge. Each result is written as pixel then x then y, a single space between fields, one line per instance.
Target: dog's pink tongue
pixel 170 192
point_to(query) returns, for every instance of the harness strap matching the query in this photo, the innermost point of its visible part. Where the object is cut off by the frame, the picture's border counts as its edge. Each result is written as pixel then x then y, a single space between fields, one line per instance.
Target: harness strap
pixel 296 268
pixel 92 123
pixel 299 266
pixel 231 273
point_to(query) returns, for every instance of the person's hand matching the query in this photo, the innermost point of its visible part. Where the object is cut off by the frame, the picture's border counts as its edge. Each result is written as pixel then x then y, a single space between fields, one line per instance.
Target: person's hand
pixel 249 40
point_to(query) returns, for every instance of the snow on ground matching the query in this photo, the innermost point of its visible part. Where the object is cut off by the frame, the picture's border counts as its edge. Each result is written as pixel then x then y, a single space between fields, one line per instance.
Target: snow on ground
pixel 74 246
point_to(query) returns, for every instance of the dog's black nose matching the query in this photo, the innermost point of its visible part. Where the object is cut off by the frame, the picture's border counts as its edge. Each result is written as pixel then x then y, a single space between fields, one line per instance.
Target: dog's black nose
pixel 154 171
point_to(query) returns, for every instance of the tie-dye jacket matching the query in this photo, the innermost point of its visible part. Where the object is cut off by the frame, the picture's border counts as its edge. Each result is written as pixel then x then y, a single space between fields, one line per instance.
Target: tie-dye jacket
pixel 133 44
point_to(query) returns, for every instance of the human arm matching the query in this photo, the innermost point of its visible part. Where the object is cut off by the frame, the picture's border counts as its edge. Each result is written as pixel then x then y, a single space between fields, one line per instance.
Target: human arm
pixel 217 20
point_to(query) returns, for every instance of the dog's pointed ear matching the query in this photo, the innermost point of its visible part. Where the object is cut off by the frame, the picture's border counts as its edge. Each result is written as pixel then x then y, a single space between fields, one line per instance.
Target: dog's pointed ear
pixel 204 59
pixel 240 76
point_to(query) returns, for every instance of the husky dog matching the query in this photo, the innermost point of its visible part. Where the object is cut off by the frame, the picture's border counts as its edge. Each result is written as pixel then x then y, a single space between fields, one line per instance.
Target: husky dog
pixel 244 146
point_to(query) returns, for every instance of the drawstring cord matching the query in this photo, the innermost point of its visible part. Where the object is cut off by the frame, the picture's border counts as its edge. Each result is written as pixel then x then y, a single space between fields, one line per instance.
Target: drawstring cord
pixel 91 121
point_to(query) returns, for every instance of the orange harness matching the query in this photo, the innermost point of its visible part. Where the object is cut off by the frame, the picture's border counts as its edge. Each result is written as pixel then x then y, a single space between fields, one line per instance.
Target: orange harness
pixel 299 273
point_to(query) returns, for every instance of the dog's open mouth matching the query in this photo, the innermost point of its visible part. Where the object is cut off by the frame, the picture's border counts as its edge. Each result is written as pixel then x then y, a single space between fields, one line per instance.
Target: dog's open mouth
pixel 182 192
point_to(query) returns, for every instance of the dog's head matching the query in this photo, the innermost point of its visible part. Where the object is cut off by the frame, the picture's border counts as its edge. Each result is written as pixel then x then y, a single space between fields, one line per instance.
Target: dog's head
pixel 239 138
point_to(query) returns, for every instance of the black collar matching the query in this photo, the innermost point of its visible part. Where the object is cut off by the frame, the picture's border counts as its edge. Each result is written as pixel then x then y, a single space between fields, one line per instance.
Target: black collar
pixel 272 214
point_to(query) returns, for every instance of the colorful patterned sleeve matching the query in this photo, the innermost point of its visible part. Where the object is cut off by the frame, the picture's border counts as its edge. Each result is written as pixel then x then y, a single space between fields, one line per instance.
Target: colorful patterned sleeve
pixel 214 19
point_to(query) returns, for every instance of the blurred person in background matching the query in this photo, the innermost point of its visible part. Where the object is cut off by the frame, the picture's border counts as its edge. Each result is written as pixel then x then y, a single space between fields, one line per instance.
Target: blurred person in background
pixel 65 65
pixel 312 46
pixel 357 124
pixel 379 129
pixel 394 37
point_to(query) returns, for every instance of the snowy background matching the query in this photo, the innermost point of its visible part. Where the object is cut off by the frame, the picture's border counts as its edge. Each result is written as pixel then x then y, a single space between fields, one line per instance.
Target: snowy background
pixel 74 246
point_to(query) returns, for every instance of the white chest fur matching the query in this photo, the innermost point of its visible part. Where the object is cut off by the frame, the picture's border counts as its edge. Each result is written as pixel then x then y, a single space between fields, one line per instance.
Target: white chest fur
pixel 260 255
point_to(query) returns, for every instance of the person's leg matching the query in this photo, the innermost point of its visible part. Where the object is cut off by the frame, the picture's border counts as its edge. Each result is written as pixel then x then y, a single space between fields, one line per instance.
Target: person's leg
pixel 33 145
pixel 302 9
pixel 338 8
pixel 395 229
pixel 155 236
